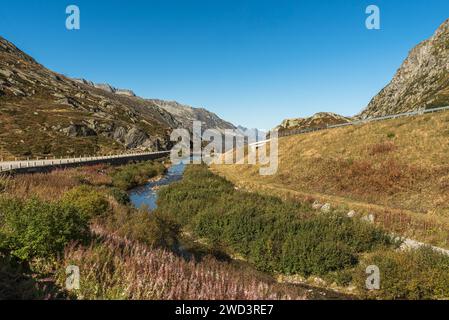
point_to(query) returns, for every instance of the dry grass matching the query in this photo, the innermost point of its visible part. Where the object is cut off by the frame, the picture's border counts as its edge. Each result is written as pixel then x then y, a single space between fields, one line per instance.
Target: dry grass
pixel 392 166
pixel 53 185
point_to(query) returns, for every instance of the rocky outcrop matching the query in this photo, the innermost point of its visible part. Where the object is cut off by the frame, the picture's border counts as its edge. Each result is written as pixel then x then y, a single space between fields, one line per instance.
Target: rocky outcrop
pixel 422 82
pixel 79 130
pixel 319 120
pixel 108 88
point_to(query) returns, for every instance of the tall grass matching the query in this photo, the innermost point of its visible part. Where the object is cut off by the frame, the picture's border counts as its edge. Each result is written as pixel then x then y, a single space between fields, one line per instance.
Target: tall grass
pixel 123 269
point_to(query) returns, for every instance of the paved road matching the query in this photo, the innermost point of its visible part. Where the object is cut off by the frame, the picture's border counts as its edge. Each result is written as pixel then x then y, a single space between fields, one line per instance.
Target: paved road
pixel 14 165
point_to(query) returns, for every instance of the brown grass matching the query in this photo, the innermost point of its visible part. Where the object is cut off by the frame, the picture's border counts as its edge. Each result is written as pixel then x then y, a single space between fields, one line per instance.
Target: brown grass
pixel 381 148
pixel 392 166
pixel 51 186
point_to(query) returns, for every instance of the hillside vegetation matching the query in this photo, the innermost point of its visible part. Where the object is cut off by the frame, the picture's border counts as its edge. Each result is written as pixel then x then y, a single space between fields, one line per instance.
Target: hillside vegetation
pixel 82 217
pixel 296 243
pixel 397 170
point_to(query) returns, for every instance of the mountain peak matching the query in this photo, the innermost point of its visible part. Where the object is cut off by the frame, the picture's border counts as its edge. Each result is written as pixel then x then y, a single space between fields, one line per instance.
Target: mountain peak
pixel 422 82
pixel 9 48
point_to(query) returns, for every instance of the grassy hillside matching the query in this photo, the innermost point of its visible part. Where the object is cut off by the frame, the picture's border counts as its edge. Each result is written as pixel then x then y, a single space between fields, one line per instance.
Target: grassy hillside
pixel 397 170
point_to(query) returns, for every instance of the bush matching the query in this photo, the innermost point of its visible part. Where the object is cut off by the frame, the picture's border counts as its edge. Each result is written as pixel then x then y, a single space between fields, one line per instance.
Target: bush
pixel 155 230
pixel 120 196
pixel 130 176
pixel 418 274
pixel 275 235
pixel 90 202
pixel 38 229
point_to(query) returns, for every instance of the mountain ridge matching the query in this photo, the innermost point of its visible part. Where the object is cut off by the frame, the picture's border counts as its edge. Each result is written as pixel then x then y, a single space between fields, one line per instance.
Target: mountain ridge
pixel 44 113
pixel 421 82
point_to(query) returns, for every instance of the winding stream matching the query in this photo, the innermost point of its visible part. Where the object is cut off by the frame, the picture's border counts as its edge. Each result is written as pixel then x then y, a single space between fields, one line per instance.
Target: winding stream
pixel 147 194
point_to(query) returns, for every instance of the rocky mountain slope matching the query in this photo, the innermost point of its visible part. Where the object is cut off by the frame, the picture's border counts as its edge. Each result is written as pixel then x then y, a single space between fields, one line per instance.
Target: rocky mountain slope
pixel 43 113
pixel 422 82
pixel 319 120
pixel 185 115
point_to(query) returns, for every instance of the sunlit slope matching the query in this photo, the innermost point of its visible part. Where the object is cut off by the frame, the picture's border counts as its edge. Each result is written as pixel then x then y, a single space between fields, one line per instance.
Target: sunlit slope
pixel 392 166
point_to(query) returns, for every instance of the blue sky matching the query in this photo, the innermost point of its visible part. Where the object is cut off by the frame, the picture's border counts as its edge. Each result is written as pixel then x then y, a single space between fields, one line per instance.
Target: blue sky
pixel 253 62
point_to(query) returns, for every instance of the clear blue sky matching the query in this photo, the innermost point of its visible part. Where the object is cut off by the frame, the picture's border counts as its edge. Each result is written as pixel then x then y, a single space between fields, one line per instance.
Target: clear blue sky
pixel 252 62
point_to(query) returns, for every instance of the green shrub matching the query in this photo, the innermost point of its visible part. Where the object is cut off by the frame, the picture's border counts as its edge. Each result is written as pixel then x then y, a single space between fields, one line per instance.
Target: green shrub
pixel 120 196
pixel 90 202
pixel 38 229
pixel 275 235
pixel 153 229
pixel 132 175
pixel 418 274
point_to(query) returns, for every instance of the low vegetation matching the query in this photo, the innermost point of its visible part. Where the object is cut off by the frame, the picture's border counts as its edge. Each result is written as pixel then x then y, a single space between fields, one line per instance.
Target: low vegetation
pixel 131 176
pixel 396 170
pixel 276 236
pixel 418 274
pixel 82 217
pixel 289 238
pixel 37 229
pixel 122 269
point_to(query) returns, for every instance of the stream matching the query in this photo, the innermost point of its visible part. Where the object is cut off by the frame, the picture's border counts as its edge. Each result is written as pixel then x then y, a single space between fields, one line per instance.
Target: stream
pixel 146 195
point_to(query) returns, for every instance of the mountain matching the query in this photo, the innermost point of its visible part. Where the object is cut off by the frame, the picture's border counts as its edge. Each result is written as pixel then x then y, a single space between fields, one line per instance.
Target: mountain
pixel 43 113
pixel 253 134
pixel 107 87
pixel 185 115
pixel 319 120
pixel 422 82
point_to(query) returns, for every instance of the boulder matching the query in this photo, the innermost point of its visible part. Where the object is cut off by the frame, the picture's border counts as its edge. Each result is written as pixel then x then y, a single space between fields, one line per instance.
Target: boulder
pixel 369 218
pixel 6 73
pixel 351 214
pixel 326 208
pixel 316 205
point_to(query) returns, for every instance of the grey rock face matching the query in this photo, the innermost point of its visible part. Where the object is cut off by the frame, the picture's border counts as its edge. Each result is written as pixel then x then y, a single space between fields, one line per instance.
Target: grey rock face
pixel 185 115
pixel 119 134
pixel 108 88
pixel 79 130
pixel 134 138
pixel 422 82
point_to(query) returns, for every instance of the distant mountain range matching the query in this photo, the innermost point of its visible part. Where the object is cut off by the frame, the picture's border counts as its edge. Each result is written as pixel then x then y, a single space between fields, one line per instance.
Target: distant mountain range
pixel 45 113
